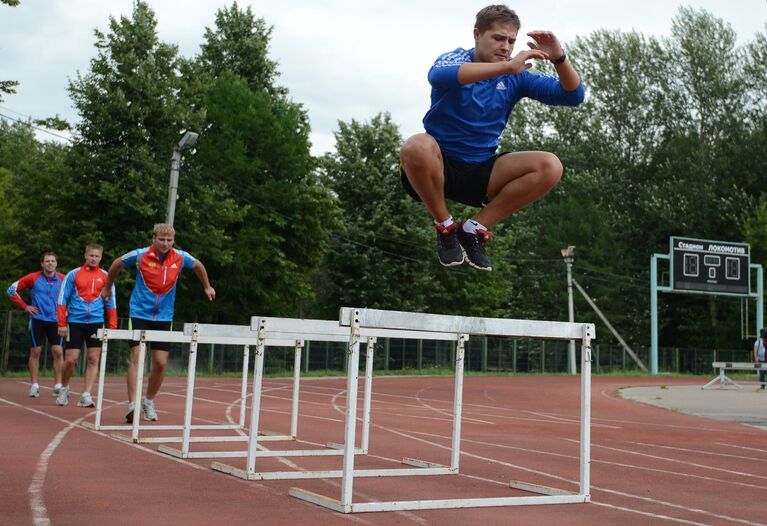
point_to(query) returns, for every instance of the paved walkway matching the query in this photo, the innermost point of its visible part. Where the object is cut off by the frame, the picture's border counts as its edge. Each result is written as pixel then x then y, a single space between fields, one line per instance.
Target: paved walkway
pixel 745 406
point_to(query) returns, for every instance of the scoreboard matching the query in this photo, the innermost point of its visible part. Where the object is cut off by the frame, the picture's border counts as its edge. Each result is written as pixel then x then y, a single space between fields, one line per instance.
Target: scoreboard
pixel 717 267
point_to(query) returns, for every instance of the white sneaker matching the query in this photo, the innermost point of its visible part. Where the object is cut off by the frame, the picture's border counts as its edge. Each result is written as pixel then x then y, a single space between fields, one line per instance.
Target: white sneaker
pixel 86 400
pixel 149 411
pixel 34 391
pixel 129 414
pixel 63 398
pixel 55 391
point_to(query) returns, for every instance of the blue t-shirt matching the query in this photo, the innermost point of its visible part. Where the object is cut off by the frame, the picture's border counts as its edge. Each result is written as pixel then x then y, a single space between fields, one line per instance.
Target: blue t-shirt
pixel 467 121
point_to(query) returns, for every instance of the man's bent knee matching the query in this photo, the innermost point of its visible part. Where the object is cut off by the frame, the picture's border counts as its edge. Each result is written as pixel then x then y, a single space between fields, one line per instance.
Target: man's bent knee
pixel 551 170
pixel 419 149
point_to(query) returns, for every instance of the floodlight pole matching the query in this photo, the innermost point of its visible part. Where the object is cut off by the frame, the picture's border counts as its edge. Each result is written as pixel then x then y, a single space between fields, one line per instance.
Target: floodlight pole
pixel 187 141
pixel 568 254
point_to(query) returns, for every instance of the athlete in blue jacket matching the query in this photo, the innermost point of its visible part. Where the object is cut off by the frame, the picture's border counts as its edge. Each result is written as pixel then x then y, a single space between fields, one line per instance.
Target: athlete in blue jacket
pixel 44 286
pixel 472 95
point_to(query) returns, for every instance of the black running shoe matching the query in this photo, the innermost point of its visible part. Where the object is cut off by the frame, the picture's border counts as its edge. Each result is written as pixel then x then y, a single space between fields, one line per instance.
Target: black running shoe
pixel 474 248
pixel 448 249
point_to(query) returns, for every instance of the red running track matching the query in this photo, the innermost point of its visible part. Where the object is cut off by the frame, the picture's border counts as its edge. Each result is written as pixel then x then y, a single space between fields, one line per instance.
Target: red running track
pixel 649 465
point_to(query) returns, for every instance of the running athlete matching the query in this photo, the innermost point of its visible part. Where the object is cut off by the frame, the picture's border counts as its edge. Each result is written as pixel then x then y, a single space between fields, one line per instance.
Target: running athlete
pixel 44 286
pixel 151 304
pixel 81 312
pixel 472 95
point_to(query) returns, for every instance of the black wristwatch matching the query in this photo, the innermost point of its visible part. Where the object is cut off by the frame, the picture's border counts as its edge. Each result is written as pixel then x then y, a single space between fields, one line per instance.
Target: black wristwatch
pixel 561 59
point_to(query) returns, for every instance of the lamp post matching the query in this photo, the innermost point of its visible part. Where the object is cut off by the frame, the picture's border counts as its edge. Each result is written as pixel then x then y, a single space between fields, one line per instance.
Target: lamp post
pixel 187 141
pixel 568 254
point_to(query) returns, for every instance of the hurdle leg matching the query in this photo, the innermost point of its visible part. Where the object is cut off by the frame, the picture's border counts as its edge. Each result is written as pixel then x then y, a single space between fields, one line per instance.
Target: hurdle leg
pixel 586 413
pixel 102 373
pixel 296 382
pixel 370 349
pixel 455 449
pixel 353 362
pixel 719 378
pixel 255 408
pixel 139 386
pixel 191 370
pixel 244 386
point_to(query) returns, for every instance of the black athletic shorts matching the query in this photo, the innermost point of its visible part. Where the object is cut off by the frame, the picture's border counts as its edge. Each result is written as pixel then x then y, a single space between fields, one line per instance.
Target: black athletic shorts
pixel 83 332
pixel 151 325
pixel 465 183
pixel 39 330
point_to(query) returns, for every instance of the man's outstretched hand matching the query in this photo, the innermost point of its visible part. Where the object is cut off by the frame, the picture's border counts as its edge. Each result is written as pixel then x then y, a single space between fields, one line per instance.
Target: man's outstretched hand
pixel 547 42
pixel 520 63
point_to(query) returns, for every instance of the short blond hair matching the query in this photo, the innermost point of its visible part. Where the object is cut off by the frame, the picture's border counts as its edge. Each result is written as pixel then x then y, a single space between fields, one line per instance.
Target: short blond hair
pixel 94 246
pixel 163 228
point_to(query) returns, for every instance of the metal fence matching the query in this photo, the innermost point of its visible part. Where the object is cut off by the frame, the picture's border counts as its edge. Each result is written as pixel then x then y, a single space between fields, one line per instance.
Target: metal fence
pixel 483 354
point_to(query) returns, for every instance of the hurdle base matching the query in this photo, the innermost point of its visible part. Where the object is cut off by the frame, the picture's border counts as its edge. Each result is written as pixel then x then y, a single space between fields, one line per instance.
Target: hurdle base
pixel 537 488
pixel 426 464
pixel 723 381
pixel 274 435
pixel 327 474
pixel 486 502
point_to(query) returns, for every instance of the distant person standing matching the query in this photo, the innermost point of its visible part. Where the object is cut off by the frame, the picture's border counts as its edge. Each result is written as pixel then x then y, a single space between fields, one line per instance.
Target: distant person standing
pixel 81 312
pixel 152 302
pixel 44 286
pixel 760 355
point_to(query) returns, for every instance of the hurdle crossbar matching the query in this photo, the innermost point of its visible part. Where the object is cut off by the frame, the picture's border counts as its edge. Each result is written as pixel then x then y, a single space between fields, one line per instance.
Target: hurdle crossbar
pixel 357 319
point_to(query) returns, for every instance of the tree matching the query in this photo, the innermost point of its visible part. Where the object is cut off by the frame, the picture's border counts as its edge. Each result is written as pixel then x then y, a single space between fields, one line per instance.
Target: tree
pixel 274 215
pixel 31 220
pixel 665 144
pixel 130 118
pixel 278 216
pixel 6 86
pixel 239 44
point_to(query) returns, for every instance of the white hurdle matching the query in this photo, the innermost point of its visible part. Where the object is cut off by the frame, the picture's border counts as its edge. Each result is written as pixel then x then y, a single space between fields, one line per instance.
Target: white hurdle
pixel 135 427
pixel 317 330
pixel 241 334
pixel 360 320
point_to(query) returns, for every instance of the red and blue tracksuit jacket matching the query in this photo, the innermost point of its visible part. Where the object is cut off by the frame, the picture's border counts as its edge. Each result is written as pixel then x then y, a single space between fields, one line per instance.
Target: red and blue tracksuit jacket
pixel 80 298
pixel 154 295
pixel 43 292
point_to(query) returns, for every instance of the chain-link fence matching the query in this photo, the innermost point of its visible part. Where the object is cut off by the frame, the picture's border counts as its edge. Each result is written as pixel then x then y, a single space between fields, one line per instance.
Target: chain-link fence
pixel 483 354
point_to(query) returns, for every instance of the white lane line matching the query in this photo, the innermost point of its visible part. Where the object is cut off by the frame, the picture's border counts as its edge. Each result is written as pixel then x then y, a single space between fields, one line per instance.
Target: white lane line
pixel 701 452
pixel 257 485
pixel 35 490
pixel 674 460
pixel 442 412
pixel 562 479
pixel 751 449
pixel 648 514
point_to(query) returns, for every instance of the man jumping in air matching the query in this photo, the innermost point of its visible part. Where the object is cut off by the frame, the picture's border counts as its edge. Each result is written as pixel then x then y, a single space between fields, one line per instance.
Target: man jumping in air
pixel 472 94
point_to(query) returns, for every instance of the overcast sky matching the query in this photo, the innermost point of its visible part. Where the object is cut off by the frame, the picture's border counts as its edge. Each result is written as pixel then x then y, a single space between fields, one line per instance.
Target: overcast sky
pixel 342 59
